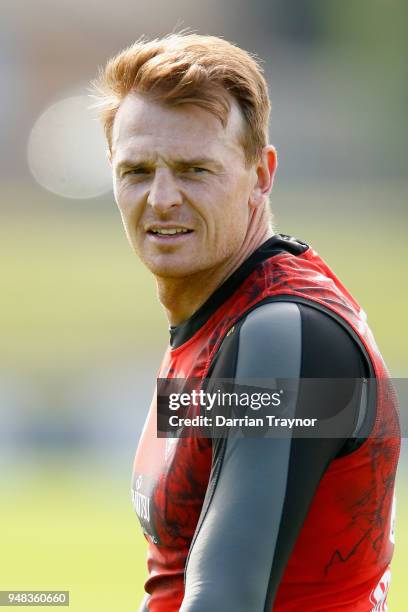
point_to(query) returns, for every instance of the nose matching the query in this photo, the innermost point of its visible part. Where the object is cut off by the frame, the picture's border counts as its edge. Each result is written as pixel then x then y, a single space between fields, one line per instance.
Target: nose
pixel 164 192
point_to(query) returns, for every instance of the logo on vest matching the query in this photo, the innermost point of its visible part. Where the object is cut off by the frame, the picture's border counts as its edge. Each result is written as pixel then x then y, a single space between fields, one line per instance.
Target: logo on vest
pixel 378 597
pixel 141 503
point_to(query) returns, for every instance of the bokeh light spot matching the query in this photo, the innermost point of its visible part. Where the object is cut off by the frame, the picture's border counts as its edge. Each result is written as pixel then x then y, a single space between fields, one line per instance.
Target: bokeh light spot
pixel 66 150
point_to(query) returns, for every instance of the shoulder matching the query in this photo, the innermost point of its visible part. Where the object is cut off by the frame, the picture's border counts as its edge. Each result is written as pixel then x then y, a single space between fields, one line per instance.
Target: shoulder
pixel 289 337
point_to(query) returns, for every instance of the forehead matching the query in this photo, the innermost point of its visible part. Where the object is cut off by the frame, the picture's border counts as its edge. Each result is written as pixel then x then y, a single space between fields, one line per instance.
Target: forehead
pixel 145 126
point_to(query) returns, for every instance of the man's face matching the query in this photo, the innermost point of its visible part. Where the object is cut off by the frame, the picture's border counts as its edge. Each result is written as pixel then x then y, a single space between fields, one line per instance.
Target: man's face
pixel 179 170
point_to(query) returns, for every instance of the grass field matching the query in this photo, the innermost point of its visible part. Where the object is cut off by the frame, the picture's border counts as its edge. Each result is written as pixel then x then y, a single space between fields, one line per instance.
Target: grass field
pixel 66 532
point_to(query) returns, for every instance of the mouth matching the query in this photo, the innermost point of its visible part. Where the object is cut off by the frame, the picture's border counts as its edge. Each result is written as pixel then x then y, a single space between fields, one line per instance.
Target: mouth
pixel 169 233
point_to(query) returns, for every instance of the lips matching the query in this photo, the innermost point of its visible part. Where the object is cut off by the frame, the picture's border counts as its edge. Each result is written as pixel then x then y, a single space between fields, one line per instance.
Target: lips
pixel 168 235
pixel 166 231
pixel 169 231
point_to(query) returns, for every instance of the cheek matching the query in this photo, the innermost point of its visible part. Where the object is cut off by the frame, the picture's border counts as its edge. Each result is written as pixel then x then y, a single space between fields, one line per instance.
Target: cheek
pixel 130 203
pixel 227 207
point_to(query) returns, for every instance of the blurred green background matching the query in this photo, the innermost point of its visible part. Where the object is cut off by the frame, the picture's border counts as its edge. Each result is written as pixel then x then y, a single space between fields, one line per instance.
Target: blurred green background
pixel 82 333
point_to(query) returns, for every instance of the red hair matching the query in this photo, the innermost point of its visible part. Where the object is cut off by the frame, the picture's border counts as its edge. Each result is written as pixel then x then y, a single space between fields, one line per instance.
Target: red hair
pixel 189 68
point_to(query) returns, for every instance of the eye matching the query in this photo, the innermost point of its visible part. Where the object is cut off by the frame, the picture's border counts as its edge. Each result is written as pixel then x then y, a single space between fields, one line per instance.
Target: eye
pixel 198 169
pixel 140 170
pixel 136 172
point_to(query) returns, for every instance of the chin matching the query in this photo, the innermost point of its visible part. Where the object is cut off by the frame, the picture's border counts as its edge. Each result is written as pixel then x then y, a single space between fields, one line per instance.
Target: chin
pixel 171 268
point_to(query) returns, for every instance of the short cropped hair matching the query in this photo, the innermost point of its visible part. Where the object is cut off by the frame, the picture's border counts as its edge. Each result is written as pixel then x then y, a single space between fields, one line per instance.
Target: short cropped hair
pixel 186 68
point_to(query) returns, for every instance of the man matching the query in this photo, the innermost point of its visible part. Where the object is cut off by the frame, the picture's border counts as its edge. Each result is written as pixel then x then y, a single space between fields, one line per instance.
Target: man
pixel 244 524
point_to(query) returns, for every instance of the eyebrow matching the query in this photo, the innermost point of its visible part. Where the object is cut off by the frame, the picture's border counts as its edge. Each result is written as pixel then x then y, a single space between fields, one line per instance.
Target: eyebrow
pixel 176 162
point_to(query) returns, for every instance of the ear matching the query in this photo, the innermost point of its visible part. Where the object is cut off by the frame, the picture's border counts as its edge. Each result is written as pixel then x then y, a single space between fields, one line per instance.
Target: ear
pixel 265 171
pixel 109 156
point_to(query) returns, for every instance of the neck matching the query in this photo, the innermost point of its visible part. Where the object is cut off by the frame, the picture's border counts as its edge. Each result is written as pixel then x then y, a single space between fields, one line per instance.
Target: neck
pixel 181 297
